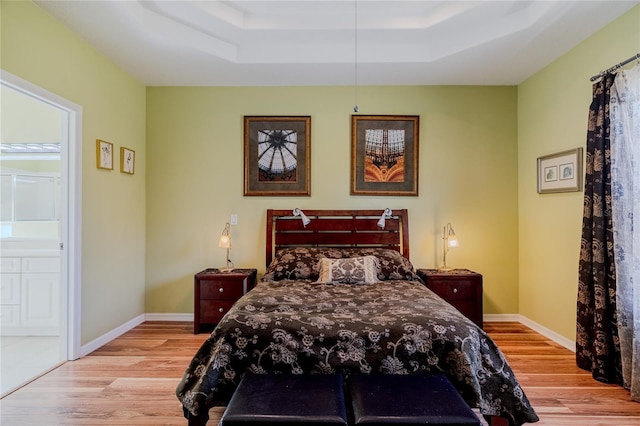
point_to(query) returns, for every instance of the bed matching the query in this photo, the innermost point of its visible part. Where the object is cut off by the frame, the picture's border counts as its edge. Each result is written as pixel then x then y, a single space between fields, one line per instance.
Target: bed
pixel 340 295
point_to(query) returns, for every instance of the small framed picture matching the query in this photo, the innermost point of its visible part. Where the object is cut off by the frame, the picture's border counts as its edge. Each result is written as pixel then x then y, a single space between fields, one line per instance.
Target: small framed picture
pixel 127 160
pixel 560 172
pixel 104 155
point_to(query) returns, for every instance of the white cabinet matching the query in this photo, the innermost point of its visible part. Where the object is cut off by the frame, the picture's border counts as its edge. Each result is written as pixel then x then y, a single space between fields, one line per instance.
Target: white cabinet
pixel 30 295
pixel 40 299
pixel 10 298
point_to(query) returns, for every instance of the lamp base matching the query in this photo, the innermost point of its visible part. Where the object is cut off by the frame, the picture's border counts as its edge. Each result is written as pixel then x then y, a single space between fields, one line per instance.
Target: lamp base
pixel 445 269
pixel 229 267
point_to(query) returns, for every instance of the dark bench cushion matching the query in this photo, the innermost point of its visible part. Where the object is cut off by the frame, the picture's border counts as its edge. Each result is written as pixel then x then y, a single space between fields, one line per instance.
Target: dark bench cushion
pixel 408 400
pixel 291 400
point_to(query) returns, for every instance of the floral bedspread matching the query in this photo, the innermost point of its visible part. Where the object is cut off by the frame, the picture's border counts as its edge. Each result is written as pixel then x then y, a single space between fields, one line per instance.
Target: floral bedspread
pixel 389 327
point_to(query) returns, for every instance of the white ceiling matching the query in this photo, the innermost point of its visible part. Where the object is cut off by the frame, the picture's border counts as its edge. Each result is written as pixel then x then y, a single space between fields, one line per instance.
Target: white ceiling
pixel 305 42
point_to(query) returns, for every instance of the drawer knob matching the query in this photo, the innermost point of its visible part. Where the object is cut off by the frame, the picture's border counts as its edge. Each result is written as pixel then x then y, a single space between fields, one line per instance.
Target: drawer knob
pixel 221 290
pixel 455 290
pixel 220 310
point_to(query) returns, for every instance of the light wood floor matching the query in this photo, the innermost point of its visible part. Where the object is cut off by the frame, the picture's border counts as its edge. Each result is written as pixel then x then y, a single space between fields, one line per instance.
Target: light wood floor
pixel 131 381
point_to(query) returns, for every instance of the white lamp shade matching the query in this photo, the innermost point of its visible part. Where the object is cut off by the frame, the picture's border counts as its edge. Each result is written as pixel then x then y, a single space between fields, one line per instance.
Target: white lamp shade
pixel 225 241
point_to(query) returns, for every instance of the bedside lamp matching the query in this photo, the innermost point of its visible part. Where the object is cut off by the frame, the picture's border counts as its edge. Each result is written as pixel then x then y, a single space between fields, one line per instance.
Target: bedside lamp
pixel 449 240
pixel 225 242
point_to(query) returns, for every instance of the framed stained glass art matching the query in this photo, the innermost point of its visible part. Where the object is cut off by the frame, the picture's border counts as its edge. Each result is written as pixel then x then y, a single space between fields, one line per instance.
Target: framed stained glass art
pixel 384 154
pixel 277 156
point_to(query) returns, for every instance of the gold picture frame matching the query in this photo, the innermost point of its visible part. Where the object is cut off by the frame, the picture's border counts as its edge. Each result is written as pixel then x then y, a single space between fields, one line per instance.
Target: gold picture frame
pixel 104 154
pixel 384 154
pixel 127 160
pixel 560 172
pixel 277 156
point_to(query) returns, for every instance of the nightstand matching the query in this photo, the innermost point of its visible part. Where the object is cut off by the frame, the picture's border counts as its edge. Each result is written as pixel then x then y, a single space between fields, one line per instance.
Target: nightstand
pixel 462 288
pixel 215 292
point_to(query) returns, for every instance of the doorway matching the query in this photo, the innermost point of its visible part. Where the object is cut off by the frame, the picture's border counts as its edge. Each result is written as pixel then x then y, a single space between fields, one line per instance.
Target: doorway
pixel 39 231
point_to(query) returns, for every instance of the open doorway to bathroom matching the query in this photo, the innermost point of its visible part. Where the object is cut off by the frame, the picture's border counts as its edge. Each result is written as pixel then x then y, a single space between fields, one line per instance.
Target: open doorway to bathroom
pixel 39 303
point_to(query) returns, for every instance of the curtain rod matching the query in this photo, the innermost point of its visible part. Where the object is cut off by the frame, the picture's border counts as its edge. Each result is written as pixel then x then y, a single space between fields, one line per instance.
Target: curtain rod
pixel 615 67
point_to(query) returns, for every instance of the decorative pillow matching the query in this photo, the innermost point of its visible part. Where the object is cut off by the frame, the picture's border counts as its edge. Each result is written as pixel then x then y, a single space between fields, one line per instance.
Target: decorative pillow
pixel 302 263
pixel 392 265
pixel 295 264
pixel 352 270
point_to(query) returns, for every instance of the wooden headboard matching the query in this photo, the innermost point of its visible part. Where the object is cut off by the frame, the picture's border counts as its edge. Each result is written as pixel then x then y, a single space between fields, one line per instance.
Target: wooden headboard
pixel 338 229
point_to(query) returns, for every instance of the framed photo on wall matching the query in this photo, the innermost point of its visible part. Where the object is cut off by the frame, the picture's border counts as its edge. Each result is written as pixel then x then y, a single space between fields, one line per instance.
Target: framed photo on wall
pixel 127 160
pixel 560 172
pixel 277 156
pixel 104 154
pixel 384 154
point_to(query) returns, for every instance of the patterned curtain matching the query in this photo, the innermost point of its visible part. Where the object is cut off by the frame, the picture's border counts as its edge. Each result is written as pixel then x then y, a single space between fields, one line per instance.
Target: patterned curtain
pixel 597 344
pixel 625 181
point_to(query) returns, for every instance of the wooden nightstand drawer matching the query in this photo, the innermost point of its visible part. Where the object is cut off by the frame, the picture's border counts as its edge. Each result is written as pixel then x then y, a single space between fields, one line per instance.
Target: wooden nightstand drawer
pixel 462 288
pixel 215 292
pixel 221 289
pixel 454 290
pixel 212 311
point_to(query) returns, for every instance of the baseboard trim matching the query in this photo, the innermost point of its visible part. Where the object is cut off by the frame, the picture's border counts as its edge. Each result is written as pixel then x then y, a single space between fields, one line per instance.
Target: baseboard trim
pixel 118 331
pixel 548 333
pixel 501 318
pixel 109 336
pixel 168 317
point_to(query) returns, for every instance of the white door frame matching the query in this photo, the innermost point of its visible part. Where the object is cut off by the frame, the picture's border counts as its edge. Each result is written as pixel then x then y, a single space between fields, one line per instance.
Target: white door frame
pixel 71 199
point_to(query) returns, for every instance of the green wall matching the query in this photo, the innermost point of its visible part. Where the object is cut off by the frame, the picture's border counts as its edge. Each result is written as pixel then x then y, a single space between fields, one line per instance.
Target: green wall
pixel 553 108
pixel 467 175
pixel 39 49
pixel 19 112
pixel 144 236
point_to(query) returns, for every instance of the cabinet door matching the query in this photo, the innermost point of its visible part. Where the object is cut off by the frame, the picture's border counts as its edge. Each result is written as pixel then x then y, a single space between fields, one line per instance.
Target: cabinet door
pixel 9 317
pixel 40 305
pixel 10 264
pixel 9 301
pixel 9 290
pixel 41 264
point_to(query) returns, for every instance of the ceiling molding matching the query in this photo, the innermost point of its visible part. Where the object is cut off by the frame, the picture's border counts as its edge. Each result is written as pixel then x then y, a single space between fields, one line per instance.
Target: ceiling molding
pixel 312 42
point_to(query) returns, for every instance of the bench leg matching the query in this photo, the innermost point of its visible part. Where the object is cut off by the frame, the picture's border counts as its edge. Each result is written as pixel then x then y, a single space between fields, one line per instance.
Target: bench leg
pixel 197 420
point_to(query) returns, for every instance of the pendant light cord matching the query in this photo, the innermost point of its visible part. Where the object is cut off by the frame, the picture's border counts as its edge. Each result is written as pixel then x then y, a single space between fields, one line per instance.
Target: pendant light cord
pixel 355 58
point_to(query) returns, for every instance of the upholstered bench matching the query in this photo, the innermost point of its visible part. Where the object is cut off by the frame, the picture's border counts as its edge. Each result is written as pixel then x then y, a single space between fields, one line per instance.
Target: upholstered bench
pixel 380 399
pixel 291 400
